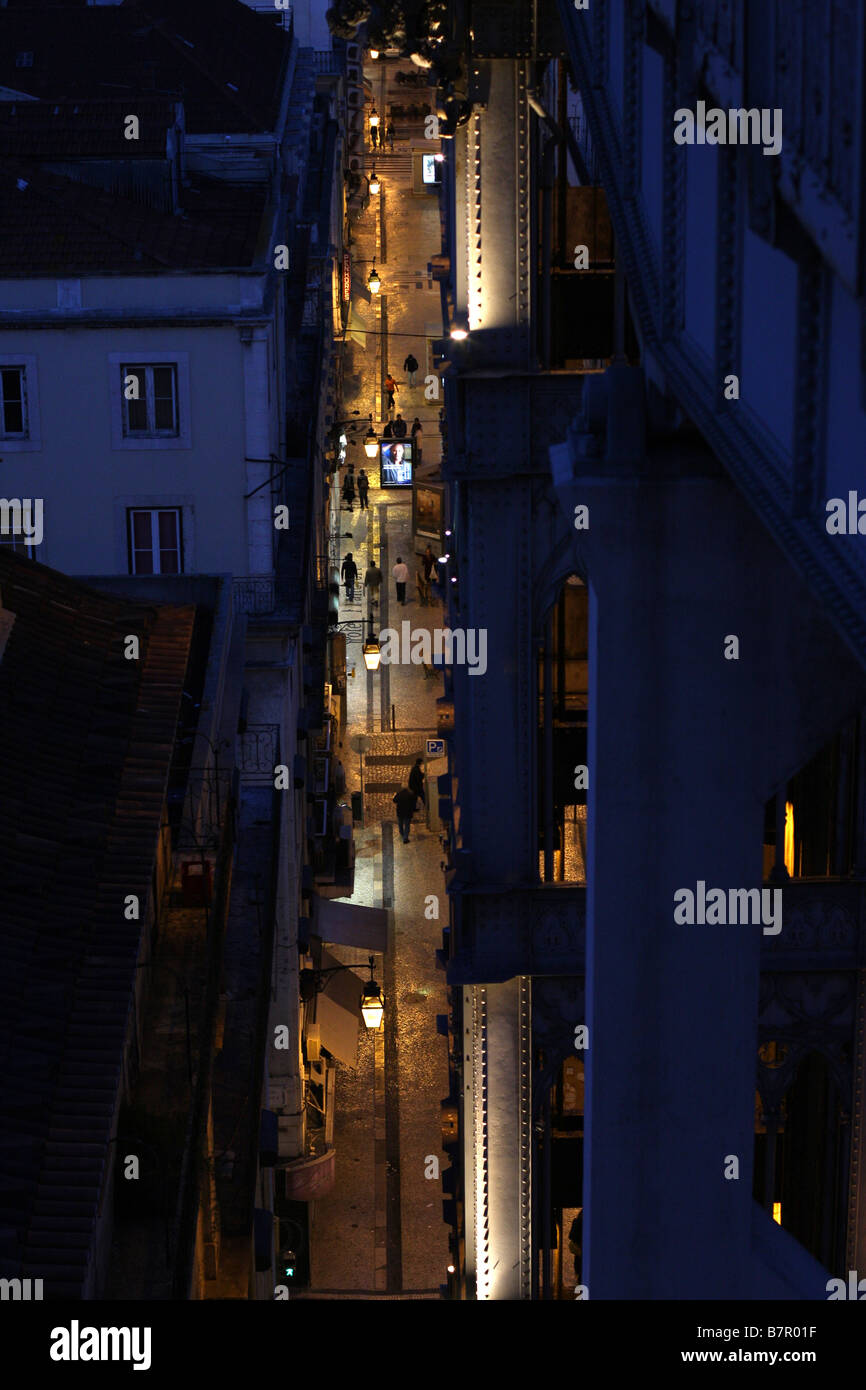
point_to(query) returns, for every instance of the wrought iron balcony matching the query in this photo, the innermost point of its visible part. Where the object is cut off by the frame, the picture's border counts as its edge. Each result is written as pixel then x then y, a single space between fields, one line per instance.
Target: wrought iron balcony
pixel 259 752
pixel 263 595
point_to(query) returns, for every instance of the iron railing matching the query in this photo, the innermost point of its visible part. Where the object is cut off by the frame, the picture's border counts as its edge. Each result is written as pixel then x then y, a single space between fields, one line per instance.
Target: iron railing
pixel 262 595
pixel 259 752
pixel 325 60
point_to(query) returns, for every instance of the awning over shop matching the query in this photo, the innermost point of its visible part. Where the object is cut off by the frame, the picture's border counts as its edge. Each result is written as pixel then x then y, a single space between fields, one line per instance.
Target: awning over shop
pixel 356 328
pixel 338 1012
pixel 349 924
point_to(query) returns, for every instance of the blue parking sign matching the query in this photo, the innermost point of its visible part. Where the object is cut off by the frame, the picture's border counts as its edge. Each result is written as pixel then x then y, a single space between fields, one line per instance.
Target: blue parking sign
pixel 435 748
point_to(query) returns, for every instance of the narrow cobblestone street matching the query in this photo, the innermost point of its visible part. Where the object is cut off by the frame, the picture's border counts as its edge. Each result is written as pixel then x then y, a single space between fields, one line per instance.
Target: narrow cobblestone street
pixel 380 1231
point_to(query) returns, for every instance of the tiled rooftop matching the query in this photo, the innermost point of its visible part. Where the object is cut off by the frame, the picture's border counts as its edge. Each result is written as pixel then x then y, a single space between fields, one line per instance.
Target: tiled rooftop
pixel 86 739
pixel 224 60
pixel 49 130
pixel 51 224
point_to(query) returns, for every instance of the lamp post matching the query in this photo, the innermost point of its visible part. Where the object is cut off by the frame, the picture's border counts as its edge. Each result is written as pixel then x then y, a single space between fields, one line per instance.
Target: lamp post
pixel 371 1002
pixel 371 441
pixel 371 651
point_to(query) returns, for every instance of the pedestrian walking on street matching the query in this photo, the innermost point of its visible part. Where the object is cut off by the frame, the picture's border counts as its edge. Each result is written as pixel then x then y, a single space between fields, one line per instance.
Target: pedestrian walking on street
pixel 350 574
pixel 428 560
pixel 363 489
pixel 374 136
pixel 417 439
pixel 411 366
pixel 405 801
pixel 372 583
pixel 349 491
pixel 390 387
pixel 401 576
pixel 400 430
pixel 388 431
pixel 390 134
pixel 416 781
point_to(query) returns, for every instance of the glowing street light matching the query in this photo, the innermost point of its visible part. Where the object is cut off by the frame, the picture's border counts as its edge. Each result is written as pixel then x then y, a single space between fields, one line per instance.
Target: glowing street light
pixel 371 650
pixel 371 442
pixel 374 53
pixel 372 1003
pixel 374 119
pixel 375 185
pixel 374 284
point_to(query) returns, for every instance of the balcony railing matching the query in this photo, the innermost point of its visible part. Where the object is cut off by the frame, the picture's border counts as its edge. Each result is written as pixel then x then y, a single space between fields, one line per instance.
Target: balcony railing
pixel 325 60
pixel 259 752
pixel 262 595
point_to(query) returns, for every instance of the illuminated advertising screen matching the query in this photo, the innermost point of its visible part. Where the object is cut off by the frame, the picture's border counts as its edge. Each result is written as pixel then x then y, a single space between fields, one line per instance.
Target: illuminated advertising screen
pixel 395 462
pixel 431 168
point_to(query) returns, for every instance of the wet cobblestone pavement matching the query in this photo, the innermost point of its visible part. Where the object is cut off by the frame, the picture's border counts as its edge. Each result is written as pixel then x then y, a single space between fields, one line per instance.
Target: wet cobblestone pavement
pixel 380 1231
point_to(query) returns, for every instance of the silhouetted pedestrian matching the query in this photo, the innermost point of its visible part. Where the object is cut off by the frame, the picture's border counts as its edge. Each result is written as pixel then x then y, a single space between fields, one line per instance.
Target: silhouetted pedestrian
pixel 423 588
pixel 417 438
pixel 363 489
pixel 411 366
pixel 405 801
pixel 350 574
pixel 388 431
pixel 401 576
pixel 416 780
pixel 372 583
pixel 400 430
pixel 428 560
pixel 390 135
pixel 349 491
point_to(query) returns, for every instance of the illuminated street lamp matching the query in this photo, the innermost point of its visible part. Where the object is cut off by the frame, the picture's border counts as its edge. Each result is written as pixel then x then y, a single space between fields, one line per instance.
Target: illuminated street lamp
pixel 371 442
pixel 459 334
pixel 371 1002
pixel 374 119
pixel 374 53
pixel 374 283
pixel 375 185
pixel 371 651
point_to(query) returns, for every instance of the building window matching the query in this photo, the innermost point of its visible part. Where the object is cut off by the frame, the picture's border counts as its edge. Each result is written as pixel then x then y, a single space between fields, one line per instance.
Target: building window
pixel 24 59
pixel 13 403
pixel 154 540
pixel 150 399
pixel 150 407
